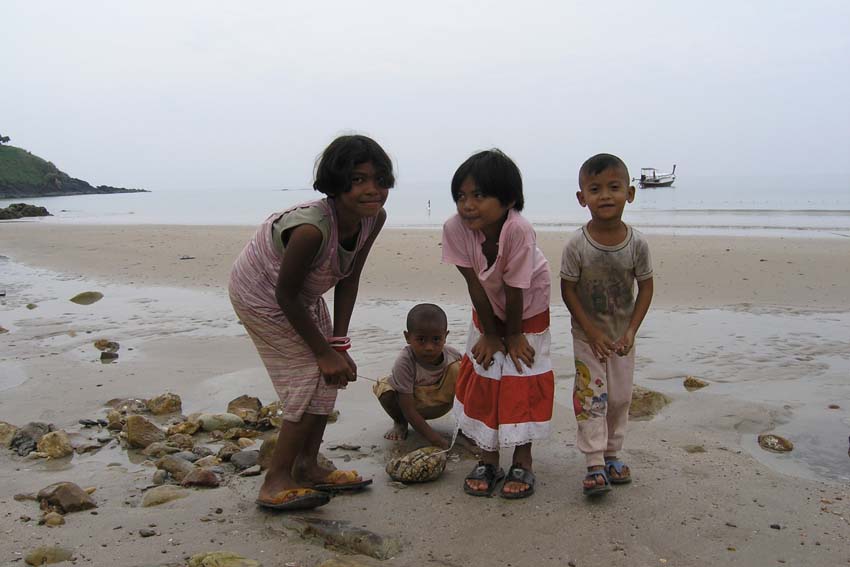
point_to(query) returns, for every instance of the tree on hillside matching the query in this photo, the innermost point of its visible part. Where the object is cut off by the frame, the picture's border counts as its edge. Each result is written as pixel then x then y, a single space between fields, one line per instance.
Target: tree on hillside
pixel 4 139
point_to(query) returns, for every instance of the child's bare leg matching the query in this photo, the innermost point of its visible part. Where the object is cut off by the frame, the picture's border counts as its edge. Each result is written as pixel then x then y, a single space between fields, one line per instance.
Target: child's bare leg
pixel 290 443
pixel 389 401
pixel 522 457
pixel 488 458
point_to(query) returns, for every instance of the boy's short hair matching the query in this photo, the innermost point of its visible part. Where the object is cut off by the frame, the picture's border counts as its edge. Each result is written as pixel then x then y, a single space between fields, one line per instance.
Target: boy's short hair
pixel 334 166
pixel 599 163
pixel 495 174
pixel 426 313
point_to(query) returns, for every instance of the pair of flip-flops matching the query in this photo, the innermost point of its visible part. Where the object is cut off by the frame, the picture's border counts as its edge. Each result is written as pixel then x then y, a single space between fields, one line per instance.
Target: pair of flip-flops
pixel 614 465
pixel 492 474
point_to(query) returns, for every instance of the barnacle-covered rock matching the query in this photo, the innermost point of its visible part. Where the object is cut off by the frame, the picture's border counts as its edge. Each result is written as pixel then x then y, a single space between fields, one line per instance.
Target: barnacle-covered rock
pixel 421 465
pixel 775 443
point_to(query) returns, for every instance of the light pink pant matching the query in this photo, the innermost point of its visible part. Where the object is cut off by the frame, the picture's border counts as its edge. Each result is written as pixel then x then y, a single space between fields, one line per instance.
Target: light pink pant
pixel 601 397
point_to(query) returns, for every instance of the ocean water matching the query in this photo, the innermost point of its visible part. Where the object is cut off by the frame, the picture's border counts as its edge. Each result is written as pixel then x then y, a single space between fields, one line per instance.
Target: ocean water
pixel 783 206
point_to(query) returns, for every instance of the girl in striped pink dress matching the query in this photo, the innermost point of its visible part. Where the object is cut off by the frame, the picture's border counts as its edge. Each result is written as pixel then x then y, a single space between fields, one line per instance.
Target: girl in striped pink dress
pixel 276 287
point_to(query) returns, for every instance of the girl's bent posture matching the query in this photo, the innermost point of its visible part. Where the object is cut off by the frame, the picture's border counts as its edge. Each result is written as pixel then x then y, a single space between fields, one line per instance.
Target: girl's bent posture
pixel 276 288
pixel 505 388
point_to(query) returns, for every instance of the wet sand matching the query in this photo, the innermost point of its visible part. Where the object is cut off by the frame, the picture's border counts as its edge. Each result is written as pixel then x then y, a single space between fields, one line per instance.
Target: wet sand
pixel 769 336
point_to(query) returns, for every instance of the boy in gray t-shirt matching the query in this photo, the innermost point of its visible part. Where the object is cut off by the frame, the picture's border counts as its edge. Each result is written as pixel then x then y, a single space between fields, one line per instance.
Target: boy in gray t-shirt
pixel 422 383
pixel 599 267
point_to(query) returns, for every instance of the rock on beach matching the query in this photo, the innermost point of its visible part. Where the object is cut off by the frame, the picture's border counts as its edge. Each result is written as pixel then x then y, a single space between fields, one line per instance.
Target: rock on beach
pixel 141 432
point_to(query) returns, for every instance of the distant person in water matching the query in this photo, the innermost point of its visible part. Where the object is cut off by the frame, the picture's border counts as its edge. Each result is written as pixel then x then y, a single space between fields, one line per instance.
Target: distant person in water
pixel 422 383
pixel 276 288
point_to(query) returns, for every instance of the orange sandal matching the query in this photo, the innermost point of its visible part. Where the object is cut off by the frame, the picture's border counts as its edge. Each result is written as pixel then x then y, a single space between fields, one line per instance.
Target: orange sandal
pixel 295 499
pixel 342 481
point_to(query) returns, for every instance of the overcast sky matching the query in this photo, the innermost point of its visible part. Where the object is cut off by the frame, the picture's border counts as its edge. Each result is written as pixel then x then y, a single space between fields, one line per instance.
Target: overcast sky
pixel 164 95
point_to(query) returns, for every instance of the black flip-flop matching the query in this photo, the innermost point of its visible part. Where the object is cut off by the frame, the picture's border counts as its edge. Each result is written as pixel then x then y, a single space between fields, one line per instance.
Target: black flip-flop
pixel 491 474
pixel 518 474
pixel 305 501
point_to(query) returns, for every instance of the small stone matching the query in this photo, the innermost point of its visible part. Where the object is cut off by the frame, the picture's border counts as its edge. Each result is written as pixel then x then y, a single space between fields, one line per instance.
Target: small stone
pixel 251 471
pixel 141 432
pixel 7 433
pixel 105 345
pixel 228 450
pixel 53 519
pixel 184 428
pixel 160 449
pixel 182 440
pixel 246 407
pixel 571 563
pixel 692 383
pixel 178 468
pixel 25 440
pixel 202 478
pixel 47 555
pixel 646 403
pixel 834 406
pixel 187 455
pixel 162 494
pixel 731 525
pixel 67 496
pixel 202 451
pixel 219 421
pixel 208 461
pixel 244 442
pixel 114 420
pixel 108 356
pixel 87 297
pixel 245 459
pixel 694 449
pixel 128 405
pixel 775 443
pixel 55 444
pixel 147 532
pixel 165 403
pixel 159 477
pixel 775 527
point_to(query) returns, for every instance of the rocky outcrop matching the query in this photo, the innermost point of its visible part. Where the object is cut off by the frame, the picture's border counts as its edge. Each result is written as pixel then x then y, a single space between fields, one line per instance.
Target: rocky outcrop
pixel 21 210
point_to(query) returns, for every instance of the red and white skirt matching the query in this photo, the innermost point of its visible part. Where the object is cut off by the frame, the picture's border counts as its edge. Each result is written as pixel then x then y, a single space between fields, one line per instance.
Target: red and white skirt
pixel 499 406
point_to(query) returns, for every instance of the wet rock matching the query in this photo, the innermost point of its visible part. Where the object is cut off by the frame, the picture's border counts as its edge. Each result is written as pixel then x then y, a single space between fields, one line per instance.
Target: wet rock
pixel 47 555
pixel 239 432
pixel 114 420
pixel 86 423
pixel 208 461
pixel 246 407
pixel 251 471
pixel 87 297
pixel 52 519
pixel 202 451
pixel 147 532
pixel 7 433
pixel 159 477
pixel 187 455
pixel 833 406
pixel 775 443
pixel 108 356
pixel 271 415
pixel 141 432
pixel 219 421
pixel 128 405
pixel 692 383
pixel 342 535
pixel 421 465
pixel 162 494
pixel 201 478
pixel 106 345
pixel 221 559
pixel 333 417
pixel 266 452
pixel 351 561
pixel 27 437
pixel 646 403
pixel 228 450
pixel 181 440
pixel 176 467
pixel 165 403
pixel 55 445
pixel 245 442
pixel 244 459
pixel 83 447
pixel 184 428
pixel 66 497
pixel 160 449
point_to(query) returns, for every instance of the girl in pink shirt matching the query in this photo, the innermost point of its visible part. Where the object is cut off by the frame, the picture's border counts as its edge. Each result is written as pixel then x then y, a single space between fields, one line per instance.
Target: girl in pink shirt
pixel 505 388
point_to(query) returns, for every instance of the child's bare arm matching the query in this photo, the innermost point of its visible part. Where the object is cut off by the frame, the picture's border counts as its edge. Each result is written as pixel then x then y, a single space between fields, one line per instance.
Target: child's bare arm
pixel 599 343
pixel 491 341
pixel 644 298
pixel 304 243
pixel 515 342
pixel 345 292
pixel 415 419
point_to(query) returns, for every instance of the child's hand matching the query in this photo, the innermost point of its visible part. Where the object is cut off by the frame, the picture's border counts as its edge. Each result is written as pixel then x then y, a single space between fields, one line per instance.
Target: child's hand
pixel 519 350
pixel 600 344
pixel 335 368
pixel 625 344
pixel 485 348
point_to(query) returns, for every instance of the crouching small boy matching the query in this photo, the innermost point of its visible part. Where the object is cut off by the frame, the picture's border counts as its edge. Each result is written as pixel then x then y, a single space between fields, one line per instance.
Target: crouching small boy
pixel 422 383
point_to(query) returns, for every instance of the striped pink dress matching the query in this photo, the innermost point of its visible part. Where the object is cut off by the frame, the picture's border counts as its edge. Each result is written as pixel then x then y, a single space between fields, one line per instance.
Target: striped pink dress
pixel 290 363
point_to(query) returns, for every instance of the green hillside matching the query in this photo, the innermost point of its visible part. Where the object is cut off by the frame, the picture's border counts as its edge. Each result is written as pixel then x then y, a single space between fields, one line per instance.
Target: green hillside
pixel 23 174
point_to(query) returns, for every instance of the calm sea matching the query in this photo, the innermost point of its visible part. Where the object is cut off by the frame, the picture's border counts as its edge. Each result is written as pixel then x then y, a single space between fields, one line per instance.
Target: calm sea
pixel 805 206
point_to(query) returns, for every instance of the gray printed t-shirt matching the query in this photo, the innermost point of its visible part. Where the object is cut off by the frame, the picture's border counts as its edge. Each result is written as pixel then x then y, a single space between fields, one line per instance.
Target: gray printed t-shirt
pixel 407 373
pixel 606 277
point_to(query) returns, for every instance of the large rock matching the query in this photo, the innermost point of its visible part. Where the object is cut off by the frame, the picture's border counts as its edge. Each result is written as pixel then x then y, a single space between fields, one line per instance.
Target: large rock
pixel 47 555
pixel 646 403
pixel 165 403
pixel 26 439
pixel 7 433
pixel 175 466
pixel 246 407
pixel 66 496
pixel 219 421
pixel 162 494
pixel 141 432
pixel 55 445
pixel 22 210
pixel 221 559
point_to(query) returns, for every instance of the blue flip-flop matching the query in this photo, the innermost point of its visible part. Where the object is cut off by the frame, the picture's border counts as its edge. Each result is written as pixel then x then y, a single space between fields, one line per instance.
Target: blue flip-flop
pixel 597 490
pixel 617 465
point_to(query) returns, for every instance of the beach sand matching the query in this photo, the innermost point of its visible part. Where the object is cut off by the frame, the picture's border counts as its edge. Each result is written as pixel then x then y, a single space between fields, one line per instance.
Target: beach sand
pixel 763 320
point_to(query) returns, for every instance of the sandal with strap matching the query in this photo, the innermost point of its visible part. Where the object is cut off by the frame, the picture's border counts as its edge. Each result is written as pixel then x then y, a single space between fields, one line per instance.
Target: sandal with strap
pixel 518 474
pixel 342 481
pixel 491 474
pixel 596 489
pixel 617 466
pixel 295 499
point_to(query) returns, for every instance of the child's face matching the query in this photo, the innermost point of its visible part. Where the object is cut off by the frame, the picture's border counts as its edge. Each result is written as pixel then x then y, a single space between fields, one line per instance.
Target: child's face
pixel 367 197
pixel 606 193
pixel 427 342
pixel 477 210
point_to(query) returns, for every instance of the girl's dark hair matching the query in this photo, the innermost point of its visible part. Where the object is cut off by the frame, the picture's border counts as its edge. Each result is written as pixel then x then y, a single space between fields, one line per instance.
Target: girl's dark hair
pixel 494 174
pixel 334 166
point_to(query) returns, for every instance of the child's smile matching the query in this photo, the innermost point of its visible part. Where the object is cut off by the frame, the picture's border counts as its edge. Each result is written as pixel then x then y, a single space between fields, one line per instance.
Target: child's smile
pixel 606 194
pixel 477 210
pixel 367 195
